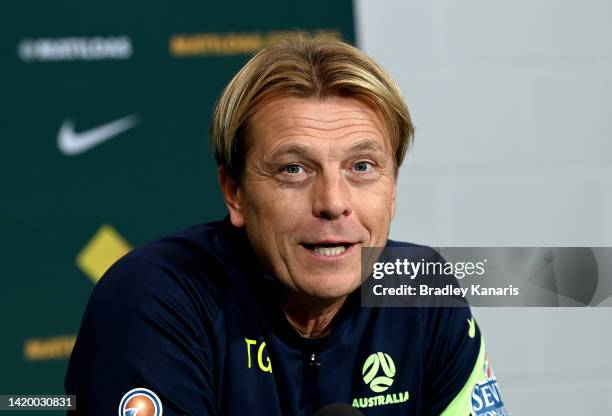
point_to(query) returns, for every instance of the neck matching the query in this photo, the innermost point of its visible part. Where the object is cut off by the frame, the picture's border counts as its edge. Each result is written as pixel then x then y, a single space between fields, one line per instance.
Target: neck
pixel 311 319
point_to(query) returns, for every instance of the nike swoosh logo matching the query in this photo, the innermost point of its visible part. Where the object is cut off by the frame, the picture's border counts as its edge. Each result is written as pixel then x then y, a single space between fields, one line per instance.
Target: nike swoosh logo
pixel 72 143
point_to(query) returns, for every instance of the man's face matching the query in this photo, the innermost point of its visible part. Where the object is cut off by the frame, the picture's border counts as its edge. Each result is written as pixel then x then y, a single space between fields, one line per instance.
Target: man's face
pixel 319 183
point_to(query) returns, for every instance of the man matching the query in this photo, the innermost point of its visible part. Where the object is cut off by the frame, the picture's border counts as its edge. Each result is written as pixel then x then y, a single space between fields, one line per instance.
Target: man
pixel 259 314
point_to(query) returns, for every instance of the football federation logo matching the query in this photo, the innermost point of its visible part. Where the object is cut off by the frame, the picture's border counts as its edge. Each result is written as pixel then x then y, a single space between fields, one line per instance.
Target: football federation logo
pixel 140 402
pixel 374 363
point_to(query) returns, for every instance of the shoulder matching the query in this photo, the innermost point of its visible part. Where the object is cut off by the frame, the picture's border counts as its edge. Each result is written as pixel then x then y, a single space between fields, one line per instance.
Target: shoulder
pixel 185 268
pixel 151 321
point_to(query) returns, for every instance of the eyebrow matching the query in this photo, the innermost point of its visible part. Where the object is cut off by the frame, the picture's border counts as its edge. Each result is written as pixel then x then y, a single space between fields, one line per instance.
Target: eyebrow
pixel 366 145
pixel 297 149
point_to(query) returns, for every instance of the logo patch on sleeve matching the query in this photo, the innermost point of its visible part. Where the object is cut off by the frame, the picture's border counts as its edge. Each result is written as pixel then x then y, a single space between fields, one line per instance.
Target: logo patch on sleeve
pixel 140 402
pixel 486 399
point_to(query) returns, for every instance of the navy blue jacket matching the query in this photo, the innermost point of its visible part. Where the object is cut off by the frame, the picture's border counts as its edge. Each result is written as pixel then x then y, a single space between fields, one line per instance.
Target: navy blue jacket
pixel 196 320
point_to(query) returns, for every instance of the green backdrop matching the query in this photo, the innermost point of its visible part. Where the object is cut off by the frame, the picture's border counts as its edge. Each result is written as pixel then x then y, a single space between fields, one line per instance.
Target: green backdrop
pixel 66 216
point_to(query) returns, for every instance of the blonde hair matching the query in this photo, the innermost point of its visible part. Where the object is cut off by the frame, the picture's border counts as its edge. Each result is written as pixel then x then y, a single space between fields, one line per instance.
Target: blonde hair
pixel 302 65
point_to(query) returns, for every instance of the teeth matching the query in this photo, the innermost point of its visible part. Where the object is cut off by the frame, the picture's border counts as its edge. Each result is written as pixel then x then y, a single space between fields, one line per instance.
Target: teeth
pixel 330 251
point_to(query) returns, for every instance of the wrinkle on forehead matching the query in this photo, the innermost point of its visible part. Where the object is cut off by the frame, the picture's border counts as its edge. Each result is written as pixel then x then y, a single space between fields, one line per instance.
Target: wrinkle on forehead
pixel 314 133
pixel 322 121
pixel 313 122
pixel 337 115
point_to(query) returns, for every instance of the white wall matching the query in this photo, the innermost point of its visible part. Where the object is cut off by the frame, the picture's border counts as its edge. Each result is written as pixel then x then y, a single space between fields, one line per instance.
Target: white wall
pixel 512 103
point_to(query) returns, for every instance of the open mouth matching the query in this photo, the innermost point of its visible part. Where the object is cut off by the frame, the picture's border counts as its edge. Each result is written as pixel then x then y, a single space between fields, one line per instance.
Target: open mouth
pixel 328 249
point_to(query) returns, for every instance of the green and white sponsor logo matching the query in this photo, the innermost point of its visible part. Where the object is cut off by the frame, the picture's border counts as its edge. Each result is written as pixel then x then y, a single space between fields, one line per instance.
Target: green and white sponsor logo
pixel 378 372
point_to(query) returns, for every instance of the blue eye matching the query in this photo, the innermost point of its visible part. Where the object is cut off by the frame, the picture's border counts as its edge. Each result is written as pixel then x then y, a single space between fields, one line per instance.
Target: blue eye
pixel 293 169
pixel 362 166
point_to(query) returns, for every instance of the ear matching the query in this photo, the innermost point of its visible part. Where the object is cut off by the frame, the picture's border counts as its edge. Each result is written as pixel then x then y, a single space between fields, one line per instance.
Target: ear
pixel 232 196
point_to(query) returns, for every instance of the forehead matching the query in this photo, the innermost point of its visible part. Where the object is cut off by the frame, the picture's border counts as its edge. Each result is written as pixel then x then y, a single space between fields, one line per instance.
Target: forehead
pixel 343 119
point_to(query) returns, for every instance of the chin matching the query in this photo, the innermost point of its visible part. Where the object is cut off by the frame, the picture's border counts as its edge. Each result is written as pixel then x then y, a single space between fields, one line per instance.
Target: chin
pixel 330 288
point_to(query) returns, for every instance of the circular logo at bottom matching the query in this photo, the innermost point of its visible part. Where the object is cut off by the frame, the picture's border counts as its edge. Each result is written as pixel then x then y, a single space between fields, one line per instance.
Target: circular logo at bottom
pixel 140 402
pixel 376 361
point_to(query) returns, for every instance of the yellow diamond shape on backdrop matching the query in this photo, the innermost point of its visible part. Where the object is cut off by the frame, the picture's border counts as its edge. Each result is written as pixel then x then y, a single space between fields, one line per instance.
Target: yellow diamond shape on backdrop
pixel 105 248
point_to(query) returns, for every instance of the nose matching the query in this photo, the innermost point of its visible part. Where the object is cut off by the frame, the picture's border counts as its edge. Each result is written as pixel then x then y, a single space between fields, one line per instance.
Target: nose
pixel 331 196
